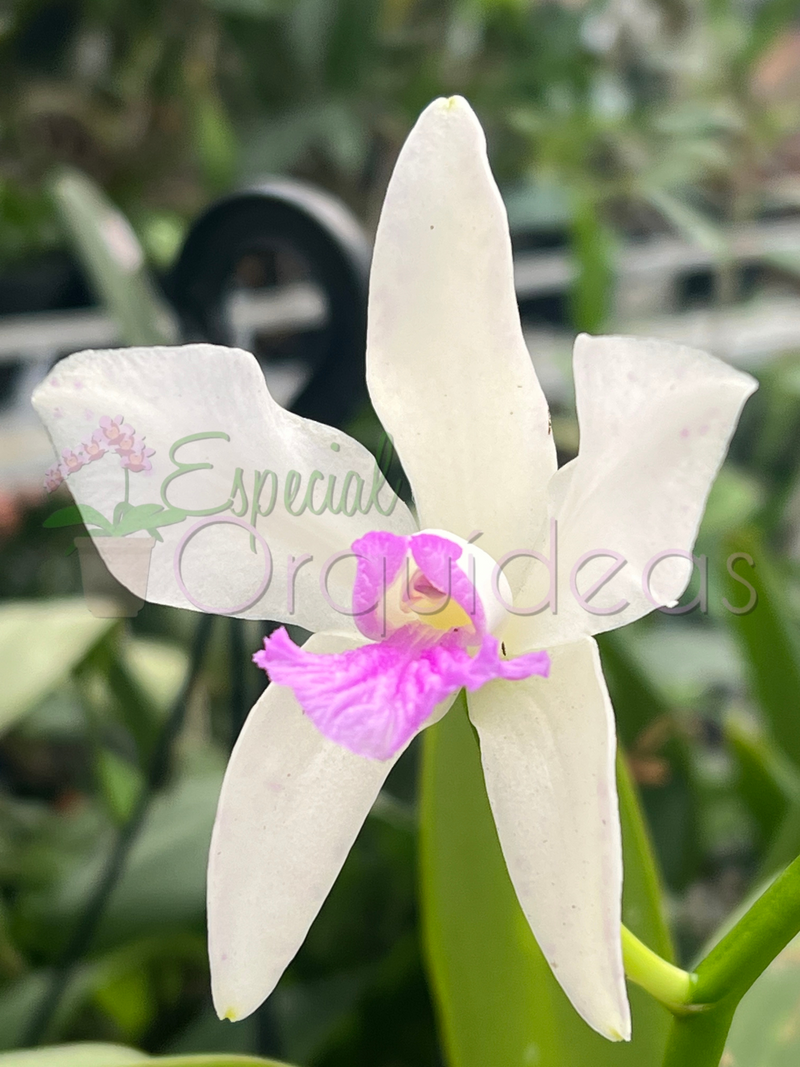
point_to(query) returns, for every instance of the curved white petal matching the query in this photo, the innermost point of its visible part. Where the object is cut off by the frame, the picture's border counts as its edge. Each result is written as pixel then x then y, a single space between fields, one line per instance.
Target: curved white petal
pixel 547 748
pixel 447 367
pixel 655 422
pixel 291 806
pixel 254 449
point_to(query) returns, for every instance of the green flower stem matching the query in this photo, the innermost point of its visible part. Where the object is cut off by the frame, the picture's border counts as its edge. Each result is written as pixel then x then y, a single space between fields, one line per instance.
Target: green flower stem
pixel 763 931
pixel 699 1040
pixel 662 980
pixel 721 980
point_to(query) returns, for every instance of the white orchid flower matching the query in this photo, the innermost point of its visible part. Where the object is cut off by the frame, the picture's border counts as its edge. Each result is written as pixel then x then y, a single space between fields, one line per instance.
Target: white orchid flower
pixel 452 381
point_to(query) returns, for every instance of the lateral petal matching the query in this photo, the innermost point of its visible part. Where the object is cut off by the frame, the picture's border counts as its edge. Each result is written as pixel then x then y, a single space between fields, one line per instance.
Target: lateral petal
pixel 447 367
pixel 655 421
pixel 374 699
pixel 547 749
pixel 230 458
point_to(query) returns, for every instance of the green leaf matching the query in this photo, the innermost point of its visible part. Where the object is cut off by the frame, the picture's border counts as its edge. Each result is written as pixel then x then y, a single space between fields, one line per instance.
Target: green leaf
pixel 74 1055
pixel 766 781
pixel 159 667
pixel 137 518
pixel 82 1055
pixel 593 250
pixel 647 729
pixel 784 845
pixel 768 637
pixel 112 256
pixel 75 515
pixel 764 1032
pixel 147 517
pixel 215 139
pixel 121 510
pixel 642 894
pixel 218 1059
pixel 163 885
pixel 97 1055
pixel 498 1001
pixel 690 223
pixel 18 1000
pixel 119 782
pixel 136 683
pixel 770 19
pixel 168 517
pixel 40 643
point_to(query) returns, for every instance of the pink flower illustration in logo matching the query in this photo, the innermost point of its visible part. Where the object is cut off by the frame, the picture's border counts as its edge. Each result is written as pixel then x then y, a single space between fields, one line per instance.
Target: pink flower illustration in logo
pixel 53 478
pixel 112 435
pixel 114 429
pixel 95 448
pixel 137 459
pixel 72 461
pixel 126 443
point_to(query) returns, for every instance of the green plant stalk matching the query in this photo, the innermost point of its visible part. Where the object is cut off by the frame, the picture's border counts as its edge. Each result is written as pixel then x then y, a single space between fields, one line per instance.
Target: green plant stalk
pixel 699 1040
pixel 704 1002
pixel 724 976
pixel 669 984
pixel 763 931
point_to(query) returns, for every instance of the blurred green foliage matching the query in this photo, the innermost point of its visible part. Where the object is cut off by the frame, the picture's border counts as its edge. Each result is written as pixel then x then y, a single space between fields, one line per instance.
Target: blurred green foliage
pixel 646 113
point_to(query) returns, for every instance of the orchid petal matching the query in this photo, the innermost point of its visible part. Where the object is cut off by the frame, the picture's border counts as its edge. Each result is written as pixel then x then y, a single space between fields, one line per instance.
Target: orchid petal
pixel 291 806
pixel 655 422
pixel 170 394
pixel 374 699
pixel 548 757
pixel 447 367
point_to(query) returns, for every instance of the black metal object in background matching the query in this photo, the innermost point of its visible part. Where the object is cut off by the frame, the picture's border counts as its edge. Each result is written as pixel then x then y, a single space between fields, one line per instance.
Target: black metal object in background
pixel 312 226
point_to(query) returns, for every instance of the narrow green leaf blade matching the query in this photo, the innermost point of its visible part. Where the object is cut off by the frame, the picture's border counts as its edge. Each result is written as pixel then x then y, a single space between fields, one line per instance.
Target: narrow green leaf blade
pixel 642 712
pixel 89 1054
pixel 218 1059
pixel 593 251
pixel 493 997
pixel 85 1054
pixel 74 515
pixel 137 518
pixel 40 643
pixel 690 223
pixel 764 1032
pixel 766 780
pixel 768 636
pixel 113 259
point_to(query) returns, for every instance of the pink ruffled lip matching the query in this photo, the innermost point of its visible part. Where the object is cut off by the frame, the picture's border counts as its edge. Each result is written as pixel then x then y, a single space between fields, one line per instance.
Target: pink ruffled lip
pixel 374 699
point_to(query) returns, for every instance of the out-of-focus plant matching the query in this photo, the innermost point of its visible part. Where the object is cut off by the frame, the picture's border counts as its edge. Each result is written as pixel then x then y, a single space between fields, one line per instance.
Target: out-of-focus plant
pixel 642 113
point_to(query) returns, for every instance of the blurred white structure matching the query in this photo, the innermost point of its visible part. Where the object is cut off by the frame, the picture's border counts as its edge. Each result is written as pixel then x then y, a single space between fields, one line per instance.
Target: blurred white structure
pixel 649 277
